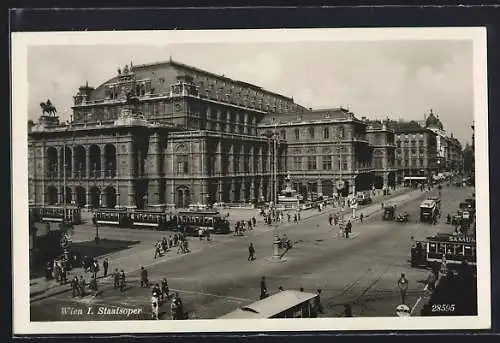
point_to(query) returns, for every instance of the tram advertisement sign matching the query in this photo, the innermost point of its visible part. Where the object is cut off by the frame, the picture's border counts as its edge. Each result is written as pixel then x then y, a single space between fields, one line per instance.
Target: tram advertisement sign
pixel 340 184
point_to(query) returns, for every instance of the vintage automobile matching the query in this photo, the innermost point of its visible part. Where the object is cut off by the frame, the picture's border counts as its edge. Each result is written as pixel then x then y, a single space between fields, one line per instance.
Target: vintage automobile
pixel 403 217
pixel 389 212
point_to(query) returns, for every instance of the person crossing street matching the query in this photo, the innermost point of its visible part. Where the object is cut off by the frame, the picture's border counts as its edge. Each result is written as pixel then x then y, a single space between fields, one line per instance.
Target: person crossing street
pixel 251 252
pixel 105 265
pixel 403 287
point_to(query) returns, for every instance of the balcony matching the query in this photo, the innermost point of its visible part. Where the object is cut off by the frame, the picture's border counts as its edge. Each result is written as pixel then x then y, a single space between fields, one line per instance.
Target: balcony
pixel 363 166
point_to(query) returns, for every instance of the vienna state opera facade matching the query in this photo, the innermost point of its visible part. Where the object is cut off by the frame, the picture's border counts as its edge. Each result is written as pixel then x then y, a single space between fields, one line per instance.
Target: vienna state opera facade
pixel 168 134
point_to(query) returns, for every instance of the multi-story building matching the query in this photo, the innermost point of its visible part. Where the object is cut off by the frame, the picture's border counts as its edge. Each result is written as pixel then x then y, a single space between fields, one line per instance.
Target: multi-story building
pixel 158 134
pixel 329 150
pixel 424 149
pixel 382 140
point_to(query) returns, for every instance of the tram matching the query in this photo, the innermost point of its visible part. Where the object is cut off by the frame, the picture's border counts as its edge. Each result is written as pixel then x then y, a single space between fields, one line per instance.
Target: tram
pixel 428 211
pixel 152 219
pixel 285 304
pixel 57 214
pixel 113 217
pixel 454 249
pixel 212 221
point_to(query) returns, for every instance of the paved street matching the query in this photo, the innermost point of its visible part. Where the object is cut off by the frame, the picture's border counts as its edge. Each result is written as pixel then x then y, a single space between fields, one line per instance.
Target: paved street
pixel 215 278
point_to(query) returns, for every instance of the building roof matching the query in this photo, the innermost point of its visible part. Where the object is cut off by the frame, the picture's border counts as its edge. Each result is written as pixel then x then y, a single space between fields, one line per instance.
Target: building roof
pixel 433 121
pixel 165 73
pixel 308 116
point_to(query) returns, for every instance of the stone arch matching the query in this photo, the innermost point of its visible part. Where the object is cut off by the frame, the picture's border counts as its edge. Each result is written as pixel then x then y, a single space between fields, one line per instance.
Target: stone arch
pixel 51 161
pixel 80 195
pixel 327 187
pixel 95 197
pixel 183 196
pixel 110 194
pixel 68 195
pixel 51 195
pixel 65 161
pixel 110 160
pixel 80 160
pixel 95 160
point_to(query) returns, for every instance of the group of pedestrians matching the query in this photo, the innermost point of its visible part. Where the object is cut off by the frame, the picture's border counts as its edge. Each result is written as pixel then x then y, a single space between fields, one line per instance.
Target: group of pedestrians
pixel 243 225
pixel 178 240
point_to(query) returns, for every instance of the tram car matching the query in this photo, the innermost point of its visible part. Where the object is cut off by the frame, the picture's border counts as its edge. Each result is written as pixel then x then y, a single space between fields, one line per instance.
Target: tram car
pixel 210 221
pixel 389 212
pixel 57 214
pixel 455 249
pixel 428 211
pixel 113 217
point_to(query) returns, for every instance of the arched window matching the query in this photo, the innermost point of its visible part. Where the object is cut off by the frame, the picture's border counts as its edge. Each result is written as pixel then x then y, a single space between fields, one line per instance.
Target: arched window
pixel 326 133
pixel 311 132
pixel 283 134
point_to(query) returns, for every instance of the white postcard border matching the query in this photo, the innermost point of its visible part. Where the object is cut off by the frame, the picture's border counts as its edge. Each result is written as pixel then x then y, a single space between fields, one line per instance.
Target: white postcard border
pixel 21 298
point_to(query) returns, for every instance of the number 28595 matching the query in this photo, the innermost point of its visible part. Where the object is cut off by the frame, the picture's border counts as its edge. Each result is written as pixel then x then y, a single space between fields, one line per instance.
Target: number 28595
pixel 443 308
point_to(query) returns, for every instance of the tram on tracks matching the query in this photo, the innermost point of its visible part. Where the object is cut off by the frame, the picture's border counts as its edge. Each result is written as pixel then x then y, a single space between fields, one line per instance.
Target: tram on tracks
pixel 455 250
pixel 188 222
pixel 428 211
pixel 56 214
pixel 285 304
pixel 211 221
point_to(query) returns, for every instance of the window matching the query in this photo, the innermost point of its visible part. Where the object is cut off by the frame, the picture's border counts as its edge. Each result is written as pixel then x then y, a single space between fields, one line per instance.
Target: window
pixel 406 163
pixel 421 162
pixel 297 162
pixel 182 164
pixel 283 134
pixel 399 144
pixel 340 132
pixel 297 134
pixel 326 133
pixel 311 162
pixel 311 132
pixel 327 162
pixel 421 142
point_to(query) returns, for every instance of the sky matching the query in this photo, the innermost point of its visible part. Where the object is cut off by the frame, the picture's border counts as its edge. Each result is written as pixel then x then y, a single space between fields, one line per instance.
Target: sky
pixel 377 79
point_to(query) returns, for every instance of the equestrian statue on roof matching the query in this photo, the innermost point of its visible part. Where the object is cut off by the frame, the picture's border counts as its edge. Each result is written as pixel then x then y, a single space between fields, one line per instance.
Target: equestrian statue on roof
pixel 48 108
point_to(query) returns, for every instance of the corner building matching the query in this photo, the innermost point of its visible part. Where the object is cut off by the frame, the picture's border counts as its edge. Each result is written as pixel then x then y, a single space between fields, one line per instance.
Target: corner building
pixel 330 151
pixel 162 134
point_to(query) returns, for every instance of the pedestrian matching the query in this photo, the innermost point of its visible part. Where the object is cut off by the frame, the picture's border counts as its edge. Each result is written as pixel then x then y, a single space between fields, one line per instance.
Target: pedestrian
pixel 48 271
pixel 330 219
pixel 251 252
pixel 156 290
pixel 295 218
pixel 82 286
pixel 116 277
pixel 75 287
pixel 200 233
pixel 93 286
pixel 105 266
pixel 263 288
pixel 298 216
pixel 164 289
pixel 155 306
pixel 144 278
pixel 347 311
pixel 403 287
pixel 361 217
pixel 64 276
pixel 302 289
pixel 180 306
pixel 157 250
pixel 254 221
pixel 280 288
pixel 318 307
pixel 122 281
pixel 382 205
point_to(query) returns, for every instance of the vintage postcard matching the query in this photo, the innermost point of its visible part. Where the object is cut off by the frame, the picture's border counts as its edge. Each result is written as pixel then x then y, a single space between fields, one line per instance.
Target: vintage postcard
pixel 189 181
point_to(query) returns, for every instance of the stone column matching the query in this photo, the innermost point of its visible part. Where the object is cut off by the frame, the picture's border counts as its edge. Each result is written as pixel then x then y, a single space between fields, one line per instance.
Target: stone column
pixel 104 198
pixel 104 167
pixel 246 128
pixel 73 194
pixel 252 189
pixel 230 159
pixel 228 121
pixel 386 180
pixel 73 163
pixel 243 194
pixel 320 186
pixel 242 160
pixel 87 162
pixel 231 193
pixel 60 162
pixel 89 199
pixel 261 186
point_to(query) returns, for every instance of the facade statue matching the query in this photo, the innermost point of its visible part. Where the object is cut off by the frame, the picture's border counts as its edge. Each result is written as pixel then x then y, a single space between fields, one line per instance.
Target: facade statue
pixel 125 69
pixel 119 71
pixel 48 108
